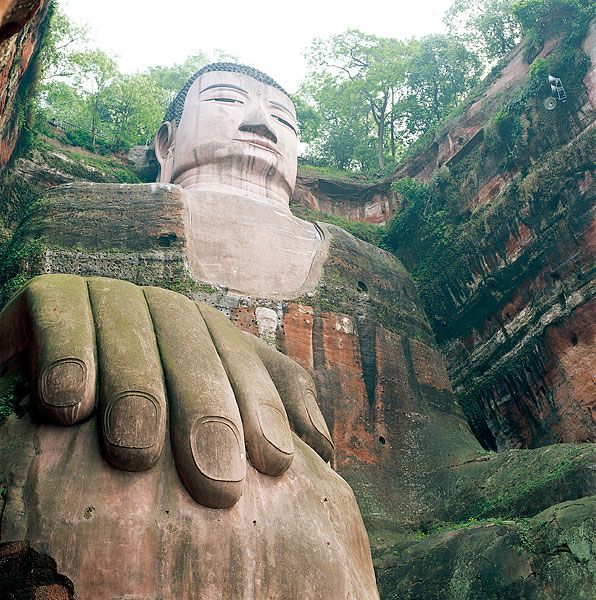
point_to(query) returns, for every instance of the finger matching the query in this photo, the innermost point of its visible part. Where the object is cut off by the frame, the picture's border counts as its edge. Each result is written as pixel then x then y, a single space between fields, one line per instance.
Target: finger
pixel 205 424
pixel 62 347
pixel 266 429
pixel 298 393
pixel 132 403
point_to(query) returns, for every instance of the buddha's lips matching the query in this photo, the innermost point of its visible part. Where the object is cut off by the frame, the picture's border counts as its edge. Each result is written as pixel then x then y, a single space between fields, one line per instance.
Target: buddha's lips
pixel 260 143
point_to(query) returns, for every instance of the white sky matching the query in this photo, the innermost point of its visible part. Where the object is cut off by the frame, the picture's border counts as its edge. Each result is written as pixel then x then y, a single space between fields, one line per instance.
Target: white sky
pixel 269 35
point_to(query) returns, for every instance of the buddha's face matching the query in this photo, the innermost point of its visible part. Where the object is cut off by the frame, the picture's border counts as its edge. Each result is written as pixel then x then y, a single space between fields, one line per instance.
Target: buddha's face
pixel 236 130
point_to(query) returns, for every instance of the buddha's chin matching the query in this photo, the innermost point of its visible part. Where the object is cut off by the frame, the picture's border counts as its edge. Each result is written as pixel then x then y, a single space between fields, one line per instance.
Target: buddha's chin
pixel 246 172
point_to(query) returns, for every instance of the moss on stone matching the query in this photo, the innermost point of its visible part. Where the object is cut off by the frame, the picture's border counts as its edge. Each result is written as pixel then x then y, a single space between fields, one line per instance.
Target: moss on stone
pixel 368 282
pixel 551 556
pixel 369 232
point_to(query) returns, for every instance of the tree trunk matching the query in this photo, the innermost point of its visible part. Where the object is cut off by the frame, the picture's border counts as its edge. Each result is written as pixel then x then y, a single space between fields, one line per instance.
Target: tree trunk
pixel 94 123
pixel 392 131
pixel 380 144
pixel 381 132
pixel 436 103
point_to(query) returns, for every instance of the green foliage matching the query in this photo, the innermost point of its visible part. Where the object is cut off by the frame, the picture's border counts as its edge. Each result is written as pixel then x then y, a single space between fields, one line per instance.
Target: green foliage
pixel 17 257
pixel 172 79
pixel 308 168
pixel 61 37
pixel 100 108
pixel 538 75
pixel 502 133
pixel 133 107
pixel 8 402
pixel 442 527
pixel 544 19
pixel 441 71
pixel 309 120
pixel 366 97
pixel 553 17
pixel 487 26
pixel 424 212
pixel 352 83
pixel 369 232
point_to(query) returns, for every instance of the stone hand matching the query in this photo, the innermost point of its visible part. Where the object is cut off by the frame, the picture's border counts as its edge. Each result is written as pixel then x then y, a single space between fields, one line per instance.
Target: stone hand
pixel 155 359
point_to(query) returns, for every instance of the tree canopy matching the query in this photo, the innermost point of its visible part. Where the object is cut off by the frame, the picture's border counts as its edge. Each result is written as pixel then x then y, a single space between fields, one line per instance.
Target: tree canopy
pixel 83 90
pixel 365 98
pixel 374 95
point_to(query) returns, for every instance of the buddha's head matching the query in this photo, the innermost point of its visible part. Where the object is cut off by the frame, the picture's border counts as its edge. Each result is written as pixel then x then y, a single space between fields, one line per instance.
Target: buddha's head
pixel 231 128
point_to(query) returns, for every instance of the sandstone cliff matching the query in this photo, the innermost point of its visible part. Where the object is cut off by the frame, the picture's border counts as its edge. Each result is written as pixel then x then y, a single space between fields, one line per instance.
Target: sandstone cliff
pixel 494 219
pixel 22 25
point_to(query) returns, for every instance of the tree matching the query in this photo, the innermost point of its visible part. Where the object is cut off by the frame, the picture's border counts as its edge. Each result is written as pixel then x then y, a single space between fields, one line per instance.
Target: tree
pixel 361 74
pixel 487 26
pixel 440 73
pixel 95 71
pixel 337 129
pixel 134 106
pixel 63 102
pixel 541 19
pixel 173 78
pixel 63 37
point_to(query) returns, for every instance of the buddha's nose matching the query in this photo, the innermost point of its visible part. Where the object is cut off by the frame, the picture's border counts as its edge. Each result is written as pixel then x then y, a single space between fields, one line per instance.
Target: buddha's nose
pixel 257 122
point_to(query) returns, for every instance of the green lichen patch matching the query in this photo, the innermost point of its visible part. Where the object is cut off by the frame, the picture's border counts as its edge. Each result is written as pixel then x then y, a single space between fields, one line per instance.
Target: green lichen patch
pixel 369 232
pixel 552 556
pixel 519 483
pixel 13 388
pixel 368 282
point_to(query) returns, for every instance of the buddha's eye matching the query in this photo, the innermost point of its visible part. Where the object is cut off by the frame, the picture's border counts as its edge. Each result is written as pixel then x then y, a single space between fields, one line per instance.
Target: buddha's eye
pixel 228 100
pixel 284 122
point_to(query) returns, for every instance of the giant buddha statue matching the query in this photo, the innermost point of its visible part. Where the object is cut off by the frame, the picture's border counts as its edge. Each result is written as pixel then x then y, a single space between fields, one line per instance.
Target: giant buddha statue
pixel 214 481
pixel 163 452
pixel 230 141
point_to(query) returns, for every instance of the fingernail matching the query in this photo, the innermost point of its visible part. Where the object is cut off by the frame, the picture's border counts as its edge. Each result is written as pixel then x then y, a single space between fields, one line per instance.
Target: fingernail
pixel 217 449
pixel 63 383
pixel 275 428
pixel 316 418
pixel 132 421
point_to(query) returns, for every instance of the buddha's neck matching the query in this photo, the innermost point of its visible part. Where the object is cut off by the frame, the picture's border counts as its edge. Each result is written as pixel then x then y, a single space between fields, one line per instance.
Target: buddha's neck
pixel 258 189
pixel 243 243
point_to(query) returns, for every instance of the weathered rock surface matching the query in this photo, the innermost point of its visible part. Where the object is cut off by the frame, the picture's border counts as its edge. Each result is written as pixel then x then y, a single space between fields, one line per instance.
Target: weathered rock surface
pixel 515 318
pixel 551 556
pixel 14 15
pixel 25 573
pixel 370 203
pixel 401 439
pixel 20 35
pixel 510 292
pixel 120 534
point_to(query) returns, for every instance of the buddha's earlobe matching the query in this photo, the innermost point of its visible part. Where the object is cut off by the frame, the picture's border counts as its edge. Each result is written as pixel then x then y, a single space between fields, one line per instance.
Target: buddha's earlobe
pixel 164 150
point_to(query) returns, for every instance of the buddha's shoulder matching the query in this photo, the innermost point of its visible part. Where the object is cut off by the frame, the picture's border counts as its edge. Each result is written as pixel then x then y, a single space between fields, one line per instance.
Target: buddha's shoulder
pixel 360 278
pixel 355 254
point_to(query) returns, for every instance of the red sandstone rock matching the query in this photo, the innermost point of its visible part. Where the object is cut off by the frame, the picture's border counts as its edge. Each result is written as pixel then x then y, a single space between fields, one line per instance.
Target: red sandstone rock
pixel 14 14
pixel 297 339
pixel 571 374
pixel 15 57
pixel 374 203
pixel 288 537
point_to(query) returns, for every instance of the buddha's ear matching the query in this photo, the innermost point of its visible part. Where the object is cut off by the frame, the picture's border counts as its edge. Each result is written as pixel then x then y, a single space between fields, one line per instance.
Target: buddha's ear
pixel 164 150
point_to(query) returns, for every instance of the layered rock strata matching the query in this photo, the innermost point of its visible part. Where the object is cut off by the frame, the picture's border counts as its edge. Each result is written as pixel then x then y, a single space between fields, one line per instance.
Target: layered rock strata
pixel 503 254
pixel 21 32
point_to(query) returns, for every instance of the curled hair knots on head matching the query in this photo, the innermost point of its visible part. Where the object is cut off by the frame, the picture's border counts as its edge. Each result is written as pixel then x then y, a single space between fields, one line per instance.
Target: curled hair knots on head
pixel 174 111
